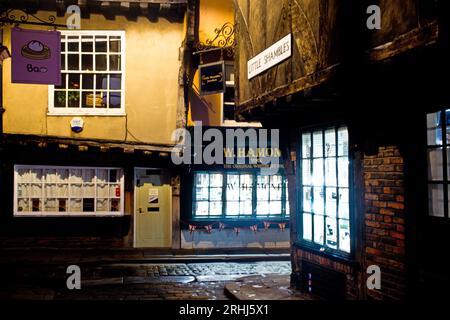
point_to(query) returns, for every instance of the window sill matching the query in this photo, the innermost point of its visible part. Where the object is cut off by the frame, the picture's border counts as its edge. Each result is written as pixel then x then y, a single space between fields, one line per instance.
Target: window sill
pixel 86 114
pixel 67 214
pixel 341 258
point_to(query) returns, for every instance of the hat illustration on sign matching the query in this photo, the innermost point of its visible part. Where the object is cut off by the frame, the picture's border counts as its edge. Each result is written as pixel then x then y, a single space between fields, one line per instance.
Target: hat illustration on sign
pixel 36 50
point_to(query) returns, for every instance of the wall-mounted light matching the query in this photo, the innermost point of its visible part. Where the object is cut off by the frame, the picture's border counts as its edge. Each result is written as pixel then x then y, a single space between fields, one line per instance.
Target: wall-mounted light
pixel 4 54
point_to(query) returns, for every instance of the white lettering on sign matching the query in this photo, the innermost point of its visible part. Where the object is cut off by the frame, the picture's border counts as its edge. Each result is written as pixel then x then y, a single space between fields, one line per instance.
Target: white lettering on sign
pixel 270 57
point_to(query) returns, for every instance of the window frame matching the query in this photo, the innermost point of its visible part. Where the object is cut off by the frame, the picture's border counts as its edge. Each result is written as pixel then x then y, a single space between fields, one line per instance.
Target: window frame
pixel 445 146
pixel 310 244
pixel 284 216
pixel 37 214
pixel 66 111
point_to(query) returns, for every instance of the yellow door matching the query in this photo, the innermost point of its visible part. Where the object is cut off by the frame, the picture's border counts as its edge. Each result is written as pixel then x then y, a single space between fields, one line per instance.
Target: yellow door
pixel 153 214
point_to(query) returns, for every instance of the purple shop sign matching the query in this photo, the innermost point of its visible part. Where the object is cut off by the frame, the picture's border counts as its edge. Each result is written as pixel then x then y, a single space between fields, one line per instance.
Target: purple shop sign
pixel 36 56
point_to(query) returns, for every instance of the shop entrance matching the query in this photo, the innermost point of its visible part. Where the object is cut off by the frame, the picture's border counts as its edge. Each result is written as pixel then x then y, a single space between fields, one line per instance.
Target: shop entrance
pixel 152 209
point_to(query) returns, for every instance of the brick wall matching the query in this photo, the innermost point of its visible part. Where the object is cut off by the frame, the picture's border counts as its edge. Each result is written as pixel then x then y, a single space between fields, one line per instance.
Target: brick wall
pixel 384 221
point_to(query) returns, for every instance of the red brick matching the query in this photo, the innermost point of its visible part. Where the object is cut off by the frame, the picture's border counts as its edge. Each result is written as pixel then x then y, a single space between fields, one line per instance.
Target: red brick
pixel 395 205
pixel 397 235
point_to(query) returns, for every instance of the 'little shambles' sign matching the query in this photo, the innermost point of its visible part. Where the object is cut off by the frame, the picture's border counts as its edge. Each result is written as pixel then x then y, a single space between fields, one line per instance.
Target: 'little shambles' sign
pixel 270 57
pixel 36 56
pixel 212 78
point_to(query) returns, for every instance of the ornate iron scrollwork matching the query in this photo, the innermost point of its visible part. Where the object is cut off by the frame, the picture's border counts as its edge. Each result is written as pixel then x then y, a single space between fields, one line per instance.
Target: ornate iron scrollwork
pixel 224 38
pixel 19 16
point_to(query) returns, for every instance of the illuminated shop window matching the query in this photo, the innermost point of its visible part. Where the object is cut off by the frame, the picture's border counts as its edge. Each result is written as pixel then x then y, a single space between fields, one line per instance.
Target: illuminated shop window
pixel 67 191
pixel 92 74
pixel 438 138
pixel 324 190
pixel 239 195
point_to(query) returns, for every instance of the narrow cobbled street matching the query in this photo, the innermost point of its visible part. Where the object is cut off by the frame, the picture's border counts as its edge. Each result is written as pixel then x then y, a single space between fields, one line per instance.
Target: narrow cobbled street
pixel 153 281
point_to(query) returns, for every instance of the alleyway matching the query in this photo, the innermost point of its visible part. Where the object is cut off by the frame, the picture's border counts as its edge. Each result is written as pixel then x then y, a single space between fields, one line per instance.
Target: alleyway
pixel 153 281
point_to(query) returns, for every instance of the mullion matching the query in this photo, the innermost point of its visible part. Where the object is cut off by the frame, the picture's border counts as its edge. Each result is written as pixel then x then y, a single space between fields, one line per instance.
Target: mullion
pixel 444 160
pixel 311 188
pixel 324 191
pixel 336 150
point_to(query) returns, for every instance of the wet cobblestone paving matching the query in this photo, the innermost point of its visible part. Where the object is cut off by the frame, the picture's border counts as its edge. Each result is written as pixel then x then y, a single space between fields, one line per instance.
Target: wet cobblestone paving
pixel 168 281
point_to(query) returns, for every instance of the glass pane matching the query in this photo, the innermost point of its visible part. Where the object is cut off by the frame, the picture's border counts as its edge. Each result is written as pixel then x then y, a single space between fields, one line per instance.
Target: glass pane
pixel 36 205
pixel 87 44
pixel 115 62
pixel 23 205
pixel 23 190
pixel 331 234
pixel 23 175
pixel 114 175
pixel 114 44
pixel 434 131
pixel 331 204
pixel 50 176
pixel 215 209
pixel 115 100
pixel 246 193
pixel 344 235
pixel 74 81
pixel 306 168
pixel 232 208
pixel 215 194
pixel 344 204
pixel 100 62
pixel 318 230
pixel 306 145
pixel 60 99
pixel 216 180
pixel 73 98
pixel 102 205
pixel 436 200
pixel 88 82
pixel 246 208
pixel 202 194
pixel 317 144
pixel 76 205
pixel 202 208
pixel 101 82
pixel 202 180
pixel 276 188
pixel 435 167
pixel 342 142
pixel 115 205
pixel 88 205
pixel 318 200
pixel 51 190
pixel 307 226
pixel 63 175
pixel 62 205
pixel 275 207
pixel 343 177
pixel 101 44
pixel 317 176
pixel 307 199
pixel 330 143
pixel 51 205
pixel 262 208
pixel 76 191
pixel 88 175
pixel 73 62
pixel 36 190
pixel 262 187
pixel 73 43
pixel 63 67
pixel 114 190
pixel 330 172
pixel 62 190
pixel 102 190
pixel 115 82
pixel 87 62
pixel 87 100
pixel 35 175
pixel 89 190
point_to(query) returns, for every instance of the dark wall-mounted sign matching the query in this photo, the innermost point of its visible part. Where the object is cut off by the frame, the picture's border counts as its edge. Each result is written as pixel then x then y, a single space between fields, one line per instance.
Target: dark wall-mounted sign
pixel 212 78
